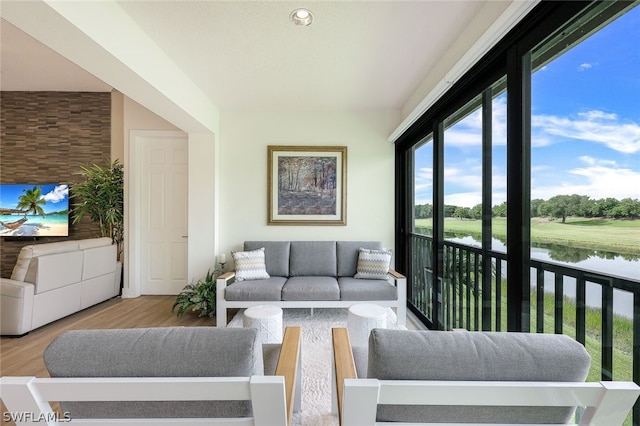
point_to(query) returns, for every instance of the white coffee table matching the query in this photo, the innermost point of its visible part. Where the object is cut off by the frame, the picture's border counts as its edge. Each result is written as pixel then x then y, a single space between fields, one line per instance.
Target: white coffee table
pixel 361 319
pixel 267 319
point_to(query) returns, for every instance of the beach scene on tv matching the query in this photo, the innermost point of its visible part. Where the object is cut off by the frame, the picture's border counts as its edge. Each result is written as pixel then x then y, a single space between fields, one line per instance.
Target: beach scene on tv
pixel 34 210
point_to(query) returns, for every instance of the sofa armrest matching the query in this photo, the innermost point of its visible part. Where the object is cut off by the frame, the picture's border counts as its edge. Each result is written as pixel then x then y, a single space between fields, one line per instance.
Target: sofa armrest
pixel 222 282
pixel 16 307
pixel 345 366
pixel 221 306
pixel 288 365
pixel 396 275
pixel 400 281
pixel 18 289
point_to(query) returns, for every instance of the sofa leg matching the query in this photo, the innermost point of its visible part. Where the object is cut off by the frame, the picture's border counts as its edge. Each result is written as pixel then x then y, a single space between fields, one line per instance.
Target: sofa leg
pixel 221 316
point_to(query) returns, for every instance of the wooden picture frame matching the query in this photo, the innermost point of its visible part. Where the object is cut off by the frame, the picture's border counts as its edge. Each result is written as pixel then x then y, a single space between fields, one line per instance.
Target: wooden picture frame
pixel 307 185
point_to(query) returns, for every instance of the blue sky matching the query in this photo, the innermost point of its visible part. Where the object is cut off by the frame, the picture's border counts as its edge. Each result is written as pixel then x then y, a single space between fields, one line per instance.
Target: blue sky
pixel 585 127
pixel 56 196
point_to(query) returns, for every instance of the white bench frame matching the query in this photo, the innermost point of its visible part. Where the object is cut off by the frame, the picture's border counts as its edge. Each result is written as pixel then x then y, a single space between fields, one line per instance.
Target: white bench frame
pixel 30 396
pixel 226 279
pixel 607 403
pixel 271 397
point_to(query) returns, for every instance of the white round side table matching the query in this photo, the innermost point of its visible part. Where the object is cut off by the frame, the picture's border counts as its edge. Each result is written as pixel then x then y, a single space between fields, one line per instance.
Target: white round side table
pixel 267 319
pixel 361 319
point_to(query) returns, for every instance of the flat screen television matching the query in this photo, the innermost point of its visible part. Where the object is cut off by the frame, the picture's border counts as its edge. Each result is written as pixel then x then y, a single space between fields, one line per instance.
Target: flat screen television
pixel 34 210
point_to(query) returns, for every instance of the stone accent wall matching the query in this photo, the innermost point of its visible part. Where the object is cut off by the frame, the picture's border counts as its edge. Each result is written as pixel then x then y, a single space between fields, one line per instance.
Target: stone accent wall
pixel 44 138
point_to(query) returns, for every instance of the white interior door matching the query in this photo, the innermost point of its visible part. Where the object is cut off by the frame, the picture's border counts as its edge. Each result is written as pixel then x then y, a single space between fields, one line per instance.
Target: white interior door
pixel 162 212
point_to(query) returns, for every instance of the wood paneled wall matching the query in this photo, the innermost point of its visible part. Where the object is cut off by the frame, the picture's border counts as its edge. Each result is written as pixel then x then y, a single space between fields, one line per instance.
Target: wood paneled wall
pixel 44 138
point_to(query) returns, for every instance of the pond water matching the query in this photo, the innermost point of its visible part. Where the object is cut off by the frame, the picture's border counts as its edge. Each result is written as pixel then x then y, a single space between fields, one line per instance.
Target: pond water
pixel 600 261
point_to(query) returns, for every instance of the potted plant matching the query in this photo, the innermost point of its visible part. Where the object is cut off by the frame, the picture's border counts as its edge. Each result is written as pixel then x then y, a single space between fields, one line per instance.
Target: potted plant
pixel 200 295
pixel 100 195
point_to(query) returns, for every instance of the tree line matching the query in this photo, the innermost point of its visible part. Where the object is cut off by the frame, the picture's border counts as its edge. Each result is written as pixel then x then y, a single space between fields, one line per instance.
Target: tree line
pixel 557 207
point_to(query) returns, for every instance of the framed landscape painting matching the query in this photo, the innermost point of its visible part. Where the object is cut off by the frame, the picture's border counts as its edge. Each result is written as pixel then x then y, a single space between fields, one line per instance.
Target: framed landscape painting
pixel 307 185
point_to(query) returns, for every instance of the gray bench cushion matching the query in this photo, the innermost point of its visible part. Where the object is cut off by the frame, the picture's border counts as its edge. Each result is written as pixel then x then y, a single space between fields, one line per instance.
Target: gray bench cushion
pixel 358 289
pixel 276 255
pixel 156 352
pixel 311 288
pixel 269 289
pixel 347 253
pixel 313 258
pixel 442 355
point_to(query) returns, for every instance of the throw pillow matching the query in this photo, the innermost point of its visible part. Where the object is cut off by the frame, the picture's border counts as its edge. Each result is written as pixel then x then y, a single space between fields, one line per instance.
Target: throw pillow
pixel 373 264
pixel 250 265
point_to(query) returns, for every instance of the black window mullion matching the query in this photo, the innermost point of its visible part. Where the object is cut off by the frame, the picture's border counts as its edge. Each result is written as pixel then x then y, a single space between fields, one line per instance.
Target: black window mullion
pixel 518 189
pixel 438 221
pixel 487 165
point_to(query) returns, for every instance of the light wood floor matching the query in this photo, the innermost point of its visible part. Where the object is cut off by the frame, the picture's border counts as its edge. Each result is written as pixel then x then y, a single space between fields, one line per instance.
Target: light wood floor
pixel 22 356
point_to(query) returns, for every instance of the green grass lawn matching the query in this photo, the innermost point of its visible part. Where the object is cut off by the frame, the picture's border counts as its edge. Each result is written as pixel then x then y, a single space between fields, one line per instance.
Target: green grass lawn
pixel 620 236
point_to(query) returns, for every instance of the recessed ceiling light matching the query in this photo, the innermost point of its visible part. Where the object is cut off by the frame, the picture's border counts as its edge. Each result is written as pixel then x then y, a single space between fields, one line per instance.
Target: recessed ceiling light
pixel 301 17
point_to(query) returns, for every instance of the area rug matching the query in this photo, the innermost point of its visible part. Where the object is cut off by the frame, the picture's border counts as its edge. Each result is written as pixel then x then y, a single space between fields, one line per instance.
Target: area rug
pixel 316 359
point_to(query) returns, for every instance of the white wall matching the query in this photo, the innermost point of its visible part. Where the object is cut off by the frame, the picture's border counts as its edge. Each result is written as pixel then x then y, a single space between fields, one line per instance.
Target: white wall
pixel 202 203
pixel 244 137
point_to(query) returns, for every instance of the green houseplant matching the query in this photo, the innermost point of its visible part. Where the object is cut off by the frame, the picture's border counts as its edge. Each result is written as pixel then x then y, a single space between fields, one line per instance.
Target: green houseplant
pixel 200 295
pixel 100 195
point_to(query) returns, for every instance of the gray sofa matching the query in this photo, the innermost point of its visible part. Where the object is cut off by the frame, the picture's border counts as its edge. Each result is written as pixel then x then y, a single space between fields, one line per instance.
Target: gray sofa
pixel 442 355
pixel 311 274
pixel 170 352
pixel 441 377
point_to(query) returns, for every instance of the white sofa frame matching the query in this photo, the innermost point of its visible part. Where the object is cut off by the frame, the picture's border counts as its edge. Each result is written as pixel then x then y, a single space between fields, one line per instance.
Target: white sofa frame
pixel 607 403
pixel 400 304
pixel 272 397
pixel 27 398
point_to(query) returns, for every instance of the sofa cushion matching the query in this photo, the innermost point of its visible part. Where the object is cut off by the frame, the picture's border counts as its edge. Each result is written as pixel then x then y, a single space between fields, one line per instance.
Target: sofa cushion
pixel 90 243
pixel 358 289
pixel 276 255
pixel 52 271
pixel 313 258
pixel 156 352
pixel 250 265
pixel 34 250
pixel 269 289
pixel 445 355
pixel 347 253
pixel 99 260
pixel 373 264
pixel 311 288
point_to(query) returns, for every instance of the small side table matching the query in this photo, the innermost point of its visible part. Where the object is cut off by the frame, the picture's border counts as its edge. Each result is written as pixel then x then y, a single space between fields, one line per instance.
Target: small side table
pixel 267 319
pixel 361 319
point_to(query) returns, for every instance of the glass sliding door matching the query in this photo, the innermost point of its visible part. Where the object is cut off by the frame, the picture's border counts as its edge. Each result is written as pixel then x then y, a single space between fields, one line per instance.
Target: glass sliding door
pixel 585 175
pixel 462 221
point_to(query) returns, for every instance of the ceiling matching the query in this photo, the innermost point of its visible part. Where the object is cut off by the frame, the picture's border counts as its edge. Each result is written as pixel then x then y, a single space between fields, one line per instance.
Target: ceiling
pixel 247 55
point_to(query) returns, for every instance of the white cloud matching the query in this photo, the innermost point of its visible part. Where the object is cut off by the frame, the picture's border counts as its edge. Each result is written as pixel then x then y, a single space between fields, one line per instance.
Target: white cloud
pixel 594 126
pixel 423 185
pixel 600 180
pixel 464 199
pixel 58 194
pixel 585 66
pixel 598 115
pixel 590 161
pixel 468 131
